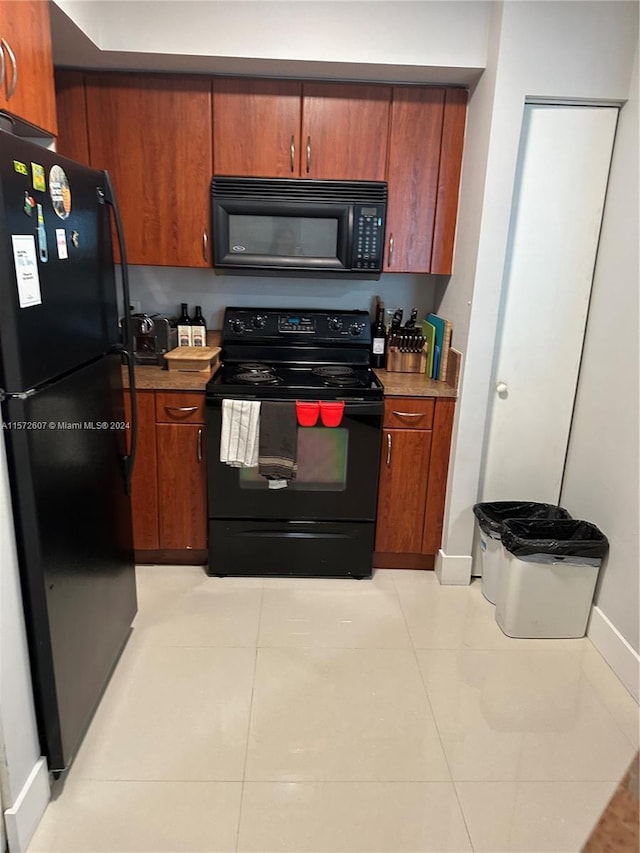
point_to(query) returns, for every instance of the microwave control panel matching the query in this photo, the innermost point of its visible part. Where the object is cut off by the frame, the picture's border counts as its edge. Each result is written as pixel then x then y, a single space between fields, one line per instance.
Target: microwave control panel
pixel 367 237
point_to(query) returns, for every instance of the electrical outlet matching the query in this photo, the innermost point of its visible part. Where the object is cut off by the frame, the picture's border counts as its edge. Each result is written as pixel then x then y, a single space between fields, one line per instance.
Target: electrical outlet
pixel 136 308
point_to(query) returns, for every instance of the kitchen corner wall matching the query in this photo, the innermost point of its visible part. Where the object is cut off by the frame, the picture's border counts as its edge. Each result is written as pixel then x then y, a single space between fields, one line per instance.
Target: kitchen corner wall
pixel 602 470
pixel 162 289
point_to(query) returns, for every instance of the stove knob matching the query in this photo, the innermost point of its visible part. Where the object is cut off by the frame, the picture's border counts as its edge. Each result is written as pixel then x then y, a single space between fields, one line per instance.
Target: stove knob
pixel 237 326
pixel 334 324
pixel 259 321
pixel 355 329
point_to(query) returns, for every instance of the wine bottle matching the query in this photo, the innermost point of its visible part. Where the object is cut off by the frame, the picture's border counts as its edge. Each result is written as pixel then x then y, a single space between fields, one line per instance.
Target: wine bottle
pixel 378 338
pixel 198 329
pixel 184 328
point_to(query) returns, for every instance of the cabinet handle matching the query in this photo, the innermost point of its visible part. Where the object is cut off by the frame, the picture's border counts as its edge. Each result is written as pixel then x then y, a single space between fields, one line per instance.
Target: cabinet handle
pixel 308 154
pixel 409 414
pixel 181 408
pixel 388 448
pixel 3 67
pixel 200 445
pixel 205 245
pixel 390 252
pixel 14 69
pixel 292 151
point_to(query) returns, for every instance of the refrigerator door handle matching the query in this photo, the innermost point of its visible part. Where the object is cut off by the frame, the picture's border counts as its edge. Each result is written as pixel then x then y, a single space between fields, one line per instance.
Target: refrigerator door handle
pixel 108 195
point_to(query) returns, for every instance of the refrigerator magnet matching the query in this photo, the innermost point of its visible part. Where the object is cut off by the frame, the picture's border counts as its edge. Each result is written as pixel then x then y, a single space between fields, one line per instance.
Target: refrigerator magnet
pixel 26 263
pixel 61 242
pixel 38 178
pixel 42 236
pixel 20 168
pixel 75 239
pixel 60 191
pixel 29 203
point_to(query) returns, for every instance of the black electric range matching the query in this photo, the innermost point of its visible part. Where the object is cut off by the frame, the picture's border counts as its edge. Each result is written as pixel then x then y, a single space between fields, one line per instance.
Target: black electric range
pixel 279 354
pixel 323 523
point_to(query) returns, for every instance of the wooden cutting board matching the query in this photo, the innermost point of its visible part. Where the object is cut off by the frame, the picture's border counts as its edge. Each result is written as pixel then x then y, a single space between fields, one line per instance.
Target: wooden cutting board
pixel 192 358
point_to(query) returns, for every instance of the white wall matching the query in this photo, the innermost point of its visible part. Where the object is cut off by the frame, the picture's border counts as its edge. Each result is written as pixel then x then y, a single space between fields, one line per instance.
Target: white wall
pixel 571 50
pixel 388 35
pixel 162 289
pixel 19 746
pixel 601 477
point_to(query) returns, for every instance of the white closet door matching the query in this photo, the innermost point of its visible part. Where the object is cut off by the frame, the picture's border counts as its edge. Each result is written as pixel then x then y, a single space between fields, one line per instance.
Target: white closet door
pixel 563 169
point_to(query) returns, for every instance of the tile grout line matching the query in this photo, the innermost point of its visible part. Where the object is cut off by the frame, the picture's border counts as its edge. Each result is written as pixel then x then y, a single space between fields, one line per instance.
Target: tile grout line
pixel 435 722
pixel 246 750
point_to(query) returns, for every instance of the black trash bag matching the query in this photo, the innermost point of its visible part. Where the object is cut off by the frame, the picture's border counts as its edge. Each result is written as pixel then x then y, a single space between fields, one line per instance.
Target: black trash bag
pixel 558 537
pixel 491 516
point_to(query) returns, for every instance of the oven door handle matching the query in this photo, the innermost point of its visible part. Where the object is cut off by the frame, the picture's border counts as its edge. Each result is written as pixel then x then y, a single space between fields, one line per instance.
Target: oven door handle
pixel 351 409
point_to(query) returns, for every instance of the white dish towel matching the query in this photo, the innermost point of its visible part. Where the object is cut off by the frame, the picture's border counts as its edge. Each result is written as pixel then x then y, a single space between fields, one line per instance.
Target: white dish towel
pixel 240 433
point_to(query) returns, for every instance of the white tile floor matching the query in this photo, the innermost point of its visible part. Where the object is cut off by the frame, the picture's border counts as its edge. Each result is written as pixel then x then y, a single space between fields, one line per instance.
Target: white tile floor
pixel 337 716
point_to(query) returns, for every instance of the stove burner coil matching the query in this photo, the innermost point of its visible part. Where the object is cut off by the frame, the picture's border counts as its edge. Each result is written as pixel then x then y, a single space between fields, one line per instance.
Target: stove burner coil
pixel 335 371
pixel 255 367
pixel 257 377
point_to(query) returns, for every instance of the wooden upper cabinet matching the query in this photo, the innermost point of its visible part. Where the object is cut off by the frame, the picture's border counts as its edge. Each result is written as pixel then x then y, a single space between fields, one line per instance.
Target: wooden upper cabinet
pixel 453 124
pixel 256 127
pixel 27 90
pixel 73 137
pixel 287 129
pixel 414 159
pixel 153 134
pixel 425 159
pixel 344 131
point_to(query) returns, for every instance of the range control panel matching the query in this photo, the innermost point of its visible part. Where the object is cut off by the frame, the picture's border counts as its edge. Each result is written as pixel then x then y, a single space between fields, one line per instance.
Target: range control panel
pixel 284 326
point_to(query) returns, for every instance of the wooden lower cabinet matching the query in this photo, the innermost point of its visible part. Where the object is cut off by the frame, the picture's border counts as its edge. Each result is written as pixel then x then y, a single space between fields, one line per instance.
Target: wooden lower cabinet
pixel 169 490
pixel 182 486
pixel 414 463
pixel 144 487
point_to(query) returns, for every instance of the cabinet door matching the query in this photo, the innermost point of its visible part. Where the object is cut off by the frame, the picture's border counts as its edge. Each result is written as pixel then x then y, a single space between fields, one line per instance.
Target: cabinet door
pixel 73 139
pixel 438 470
pixel 182 485
pixel 453 123
pixel 256 128
pixel 153 134
pixel 404 470
pixel 28 90
pixel 144 488
pixel 344 131
pixel 414 158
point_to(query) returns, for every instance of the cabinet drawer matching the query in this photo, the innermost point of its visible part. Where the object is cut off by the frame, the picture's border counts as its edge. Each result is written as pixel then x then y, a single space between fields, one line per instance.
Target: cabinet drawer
pixel 178 407
pixel 409 412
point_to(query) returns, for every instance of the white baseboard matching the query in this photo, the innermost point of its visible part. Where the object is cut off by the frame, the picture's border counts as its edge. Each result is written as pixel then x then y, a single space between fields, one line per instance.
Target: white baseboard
pixel 617 652
pixel 22 819
pixel 453 570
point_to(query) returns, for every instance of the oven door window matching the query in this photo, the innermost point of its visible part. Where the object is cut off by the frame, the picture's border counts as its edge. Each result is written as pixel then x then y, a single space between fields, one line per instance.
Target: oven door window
pixel 322 463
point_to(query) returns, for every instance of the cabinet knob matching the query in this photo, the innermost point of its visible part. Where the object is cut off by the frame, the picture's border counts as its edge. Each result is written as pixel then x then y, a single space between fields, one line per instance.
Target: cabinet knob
pixel 502 389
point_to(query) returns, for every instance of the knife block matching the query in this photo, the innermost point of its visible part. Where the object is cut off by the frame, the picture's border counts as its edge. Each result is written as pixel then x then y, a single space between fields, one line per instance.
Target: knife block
pixel 406 362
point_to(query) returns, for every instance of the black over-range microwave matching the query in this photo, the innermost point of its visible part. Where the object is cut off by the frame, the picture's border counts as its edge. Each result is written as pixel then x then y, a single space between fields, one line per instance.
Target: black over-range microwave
pixel 272 226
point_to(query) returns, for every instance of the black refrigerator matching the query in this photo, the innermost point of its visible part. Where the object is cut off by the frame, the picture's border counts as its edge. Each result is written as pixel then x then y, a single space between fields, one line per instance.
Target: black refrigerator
pixel 69 451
